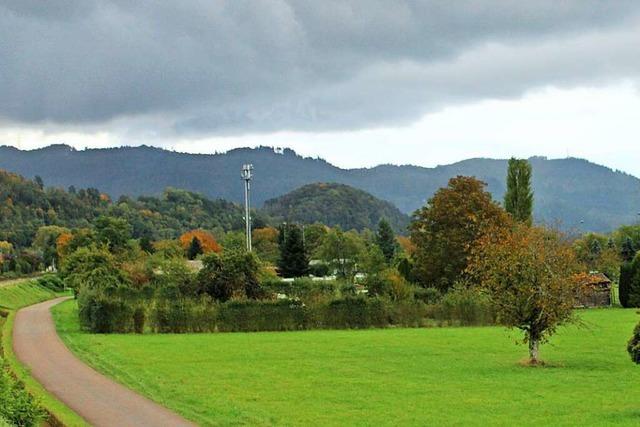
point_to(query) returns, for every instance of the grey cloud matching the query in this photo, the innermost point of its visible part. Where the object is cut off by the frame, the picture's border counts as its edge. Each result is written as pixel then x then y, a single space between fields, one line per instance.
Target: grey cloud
pixel 249 66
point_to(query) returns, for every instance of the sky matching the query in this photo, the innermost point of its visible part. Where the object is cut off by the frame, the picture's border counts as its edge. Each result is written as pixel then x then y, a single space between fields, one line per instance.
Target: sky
pixel 358 83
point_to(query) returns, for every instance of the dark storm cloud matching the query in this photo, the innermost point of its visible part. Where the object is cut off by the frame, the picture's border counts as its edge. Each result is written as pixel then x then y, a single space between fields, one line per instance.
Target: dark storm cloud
pixel 236 66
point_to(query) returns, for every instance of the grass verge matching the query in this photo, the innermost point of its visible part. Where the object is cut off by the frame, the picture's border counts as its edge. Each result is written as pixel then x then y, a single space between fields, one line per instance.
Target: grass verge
pixel 28 294
pixel 439 376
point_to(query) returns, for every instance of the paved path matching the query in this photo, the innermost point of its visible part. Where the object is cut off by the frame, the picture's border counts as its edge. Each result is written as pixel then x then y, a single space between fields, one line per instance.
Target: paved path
pixel 99 400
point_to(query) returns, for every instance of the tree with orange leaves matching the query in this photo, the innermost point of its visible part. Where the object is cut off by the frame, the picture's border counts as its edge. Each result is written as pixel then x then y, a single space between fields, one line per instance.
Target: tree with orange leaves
pixel 207 241
pixel 532 275
pixel 446 229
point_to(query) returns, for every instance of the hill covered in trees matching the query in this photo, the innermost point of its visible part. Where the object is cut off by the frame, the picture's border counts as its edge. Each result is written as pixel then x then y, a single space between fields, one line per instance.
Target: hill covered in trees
pixel 27 205
pixel 574 193
pixel 335 205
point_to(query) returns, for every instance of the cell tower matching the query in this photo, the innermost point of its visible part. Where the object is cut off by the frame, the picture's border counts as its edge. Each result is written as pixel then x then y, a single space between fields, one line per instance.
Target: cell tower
pixel 247 174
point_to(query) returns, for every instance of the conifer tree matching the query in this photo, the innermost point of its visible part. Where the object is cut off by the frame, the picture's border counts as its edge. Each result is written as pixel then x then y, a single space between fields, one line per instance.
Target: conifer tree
pixel 386 240
pixel 518 200
pixel 293 261
pixel 195 248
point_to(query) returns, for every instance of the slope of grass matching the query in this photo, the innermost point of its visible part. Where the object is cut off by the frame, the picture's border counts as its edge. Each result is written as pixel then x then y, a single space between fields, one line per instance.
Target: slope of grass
pixel 449 376
pixel 22 294
pixel 12 298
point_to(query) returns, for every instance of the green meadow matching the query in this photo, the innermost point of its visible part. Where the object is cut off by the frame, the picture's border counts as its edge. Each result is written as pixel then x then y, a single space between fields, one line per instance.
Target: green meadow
pixel 24 293
pixel 436 376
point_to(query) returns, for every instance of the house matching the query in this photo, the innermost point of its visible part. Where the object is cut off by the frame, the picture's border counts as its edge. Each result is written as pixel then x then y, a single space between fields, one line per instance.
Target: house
pixel 597 291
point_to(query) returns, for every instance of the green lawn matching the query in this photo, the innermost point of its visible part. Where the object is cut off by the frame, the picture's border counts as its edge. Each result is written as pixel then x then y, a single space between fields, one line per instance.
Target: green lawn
pixel 448 376
pixel 23 293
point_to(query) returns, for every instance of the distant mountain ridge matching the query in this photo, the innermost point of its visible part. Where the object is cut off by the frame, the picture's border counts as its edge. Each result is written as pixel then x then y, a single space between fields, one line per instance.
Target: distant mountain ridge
pixel 575 193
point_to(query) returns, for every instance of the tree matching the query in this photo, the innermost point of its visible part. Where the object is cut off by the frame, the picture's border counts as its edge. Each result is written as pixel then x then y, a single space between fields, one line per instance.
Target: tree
pixel 385 239
pixel 341 251
pixel 194 249
pixel 518 200
pixel 634 345
pixel 293 261
pixel 314 235
pixel 231 274
pixel 205 239
pixel 531 274
pixel 628 250
pixel 447 228
pixel 629 285
pixel 265 243
pixel 114 232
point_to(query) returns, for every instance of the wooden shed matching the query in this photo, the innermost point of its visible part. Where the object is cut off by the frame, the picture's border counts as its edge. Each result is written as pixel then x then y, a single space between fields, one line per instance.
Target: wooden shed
pixel 597 291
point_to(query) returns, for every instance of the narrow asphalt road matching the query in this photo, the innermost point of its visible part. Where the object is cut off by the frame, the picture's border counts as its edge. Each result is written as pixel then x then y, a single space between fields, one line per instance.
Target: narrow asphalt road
pixel 99 400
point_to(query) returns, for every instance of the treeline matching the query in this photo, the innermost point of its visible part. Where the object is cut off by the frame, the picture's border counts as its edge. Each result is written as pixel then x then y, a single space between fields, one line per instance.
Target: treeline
pixel 25 206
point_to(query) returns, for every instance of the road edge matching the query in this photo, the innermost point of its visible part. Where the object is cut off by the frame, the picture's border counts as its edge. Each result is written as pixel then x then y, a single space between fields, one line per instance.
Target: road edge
pixel 60 413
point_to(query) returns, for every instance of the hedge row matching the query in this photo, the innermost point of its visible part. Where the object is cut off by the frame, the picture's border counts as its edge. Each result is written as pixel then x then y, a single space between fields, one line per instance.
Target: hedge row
pixel 102 314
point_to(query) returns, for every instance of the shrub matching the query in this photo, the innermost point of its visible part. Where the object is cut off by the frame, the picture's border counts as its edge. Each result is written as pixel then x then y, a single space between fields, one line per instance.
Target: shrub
pixel 355 313
pixel 634 345
pixel 464 306
pixel 17 406
pixel 52 282
pixel 284 315
pixel 303 288
pixel 107 311
pixel 319 270
pixel 233 273
pixel 182 315
pixel 427 295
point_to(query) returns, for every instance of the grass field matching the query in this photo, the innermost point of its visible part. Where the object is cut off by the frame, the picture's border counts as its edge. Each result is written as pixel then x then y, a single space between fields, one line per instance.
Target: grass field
pixel 448 376
pixel 21 294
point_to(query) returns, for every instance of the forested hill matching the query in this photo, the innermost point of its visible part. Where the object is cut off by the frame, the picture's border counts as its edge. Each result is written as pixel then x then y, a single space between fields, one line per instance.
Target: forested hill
pixel 26 206
pixel 568 191
pixel 335 204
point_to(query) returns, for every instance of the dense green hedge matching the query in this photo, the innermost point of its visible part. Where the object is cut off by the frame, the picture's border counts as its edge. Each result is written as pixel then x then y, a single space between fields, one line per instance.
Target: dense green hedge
pixel 102 314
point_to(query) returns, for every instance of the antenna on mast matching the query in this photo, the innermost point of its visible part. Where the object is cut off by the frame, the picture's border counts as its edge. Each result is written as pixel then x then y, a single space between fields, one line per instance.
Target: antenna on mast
pixel 247 174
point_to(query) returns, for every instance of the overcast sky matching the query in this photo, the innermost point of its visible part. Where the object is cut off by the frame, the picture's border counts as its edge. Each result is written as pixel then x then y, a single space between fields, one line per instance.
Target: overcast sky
pixel 356 82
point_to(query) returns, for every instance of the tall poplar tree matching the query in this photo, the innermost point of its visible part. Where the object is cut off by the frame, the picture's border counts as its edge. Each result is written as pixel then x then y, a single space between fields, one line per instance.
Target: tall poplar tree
pixel 518 200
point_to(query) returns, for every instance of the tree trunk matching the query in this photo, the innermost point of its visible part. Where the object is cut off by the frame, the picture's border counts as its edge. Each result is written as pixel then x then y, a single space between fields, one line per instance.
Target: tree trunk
pixel 533 350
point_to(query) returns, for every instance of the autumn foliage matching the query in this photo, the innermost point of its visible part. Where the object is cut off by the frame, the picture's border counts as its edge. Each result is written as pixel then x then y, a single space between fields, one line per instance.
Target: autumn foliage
pixel 445 231
pixel 207 241
pixel 533 277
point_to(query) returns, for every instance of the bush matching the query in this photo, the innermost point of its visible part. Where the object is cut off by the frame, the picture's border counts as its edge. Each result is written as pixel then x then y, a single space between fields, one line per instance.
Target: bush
pixel 105 312
pixel 634 345
pixel 464 306
pixel 284 315
pixel 303 288
pixel 17 406
pixel 319 270
pixel 355 313
pixel 52 282
pixel 427 295
pixel 183 315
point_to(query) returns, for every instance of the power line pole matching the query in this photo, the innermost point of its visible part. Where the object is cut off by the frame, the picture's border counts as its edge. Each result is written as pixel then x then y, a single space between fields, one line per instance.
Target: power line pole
pixel 247 172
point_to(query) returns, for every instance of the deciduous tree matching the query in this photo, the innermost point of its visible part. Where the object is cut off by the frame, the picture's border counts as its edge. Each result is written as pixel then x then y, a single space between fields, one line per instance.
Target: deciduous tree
pixel 532 275
pixel 447 228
